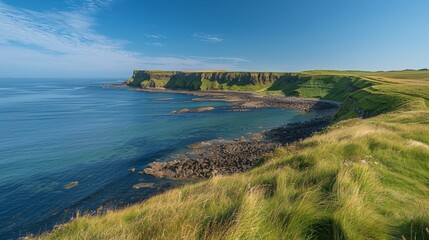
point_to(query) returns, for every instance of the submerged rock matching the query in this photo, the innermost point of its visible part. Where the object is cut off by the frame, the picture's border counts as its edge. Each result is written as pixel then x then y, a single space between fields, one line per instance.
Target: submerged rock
pixel 143 185
pixel 199 145
pixel 71 184
pixel 239 110
pixel 193 110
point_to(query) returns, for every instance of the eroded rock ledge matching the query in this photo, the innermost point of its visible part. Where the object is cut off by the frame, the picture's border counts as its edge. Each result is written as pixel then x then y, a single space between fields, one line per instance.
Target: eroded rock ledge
pixel 245 100
pixel 223 157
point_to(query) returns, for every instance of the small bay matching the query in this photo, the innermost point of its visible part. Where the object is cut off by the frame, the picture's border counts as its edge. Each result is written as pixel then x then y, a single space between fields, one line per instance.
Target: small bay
pixel 54 132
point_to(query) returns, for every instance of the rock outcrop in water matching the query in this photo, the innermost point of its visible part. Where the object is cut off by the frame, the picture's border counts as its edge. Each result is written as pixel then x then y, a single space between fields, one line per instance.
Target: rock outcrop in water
pixel 71 185
pixel 225 158
pixel 237 156
pixel 193 110
pixel 222 157
pixel 243 101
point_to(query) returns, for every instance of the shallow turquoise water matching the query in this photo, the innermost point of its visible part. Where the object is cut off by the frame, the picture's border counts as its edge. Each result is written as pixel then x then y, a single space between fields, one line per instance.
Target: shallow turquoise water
pixel 54 131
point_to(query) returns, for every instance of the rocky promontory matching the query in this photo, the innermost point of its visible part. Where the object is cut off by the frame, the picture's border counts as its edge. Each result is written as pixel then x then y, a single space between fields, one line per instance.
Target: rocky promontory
pixel 244 91
pixel 223 157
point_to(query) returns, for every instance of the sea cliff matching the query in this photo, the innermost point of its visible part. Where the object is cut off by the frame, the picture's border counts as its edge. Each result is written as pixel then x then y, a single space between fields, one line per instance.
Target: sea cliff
pixel 323 85
pixel 330 87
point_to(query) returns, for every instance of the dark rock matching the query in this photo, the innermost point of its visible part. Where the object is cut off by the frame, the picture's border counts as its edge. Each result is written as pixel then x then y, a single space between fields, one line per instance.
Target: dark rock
pixel 222 157
pixel 194 110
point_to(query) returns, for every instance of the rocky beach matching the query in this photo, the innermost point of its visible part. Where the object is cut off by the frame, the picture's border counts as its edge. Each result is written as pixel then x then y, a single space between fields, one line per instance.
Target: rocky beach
pixel 244 100
pixel 222 157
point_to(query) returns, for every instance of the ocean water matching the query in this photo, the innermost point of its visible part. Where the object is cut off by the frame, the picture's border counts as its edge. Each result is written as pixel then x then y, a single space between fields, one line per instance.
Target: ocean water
pixel 55 131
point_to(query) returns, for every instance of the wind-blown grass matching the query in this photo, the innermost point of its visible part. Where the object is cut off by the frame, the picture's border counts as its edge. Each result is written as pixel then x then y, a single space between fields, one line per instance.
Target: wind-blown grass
pixel 358 179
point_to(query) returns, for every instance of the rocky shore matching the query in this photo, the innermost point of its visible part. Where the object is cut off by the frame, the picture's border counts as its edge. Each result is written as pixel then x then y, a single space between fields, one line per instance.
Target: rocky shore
pixel 245 100
pixel 223 157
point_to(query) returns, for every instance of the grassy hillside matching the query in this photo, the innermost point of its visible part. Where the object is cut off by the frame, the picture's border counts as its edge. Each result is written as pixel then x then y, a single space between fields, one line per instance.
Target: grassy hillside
pixel 358 179
pixel 330 87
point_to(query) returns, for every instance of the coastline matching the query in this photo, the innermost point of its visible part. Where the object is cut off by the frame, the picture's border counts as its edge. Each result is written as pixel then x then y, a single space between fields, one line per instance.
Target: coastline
pixel 223 157
pixel 216 157
pixel 246 99
pixel 145 187
pixel 303 178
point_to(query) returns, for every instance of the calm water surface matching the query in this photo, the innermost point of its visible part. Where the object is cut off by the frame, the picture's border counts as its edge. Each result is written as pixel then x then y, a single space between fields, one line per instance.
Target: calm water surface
pixel 54 131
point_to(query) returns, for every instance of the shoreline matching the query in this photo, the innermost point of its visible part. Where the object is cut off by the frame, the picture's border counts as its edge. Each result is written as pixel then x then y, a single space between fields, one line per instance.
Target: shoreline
pixel 224 157
pixel 215 157
pixel 166 183
pixel 245 99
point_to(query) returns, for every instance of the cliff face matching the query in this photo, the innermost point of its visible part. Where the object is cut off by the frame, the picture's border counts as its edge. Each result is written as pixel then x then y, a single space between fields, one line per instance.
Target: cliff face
pixel 148 78
pixel 181 80
pixel 203 80
pixel 241 78
pixel 328 87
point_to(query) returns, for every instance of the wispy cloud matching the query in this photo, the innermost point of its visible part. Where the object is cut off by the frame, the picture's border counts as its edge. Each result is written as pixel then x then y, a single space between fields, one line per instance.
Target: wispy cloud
pixel 190 63
pixel 206 37
pixel 156 36
pixel 58 38
pixel 155 44
pixel 64 43
pixel 89 5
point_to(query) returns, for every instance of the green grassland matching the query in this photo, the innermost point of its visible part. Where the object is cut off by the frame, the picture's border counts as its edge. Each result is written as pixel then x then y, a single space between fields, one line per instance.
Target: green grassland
pixel 330 87
pixel 364 177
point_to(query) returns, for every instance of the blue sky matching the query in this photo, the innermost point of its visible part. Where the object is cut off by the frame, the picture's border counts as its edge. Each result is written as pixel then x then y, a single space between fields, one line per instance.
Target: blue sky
pixel 110 38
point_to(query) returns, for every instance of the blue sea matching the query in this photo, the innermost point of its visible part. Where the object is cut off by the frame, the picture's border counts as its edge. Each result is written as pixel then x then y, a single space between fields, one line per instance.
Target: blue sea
pixel 56 131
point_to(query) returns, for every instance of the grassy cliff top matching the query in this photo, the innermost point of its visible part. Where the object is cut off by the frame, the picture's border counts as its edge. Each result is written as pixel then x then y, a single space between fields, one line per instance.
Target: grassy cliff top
pixel 199 71
pixel 399 74
pixel 358 179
